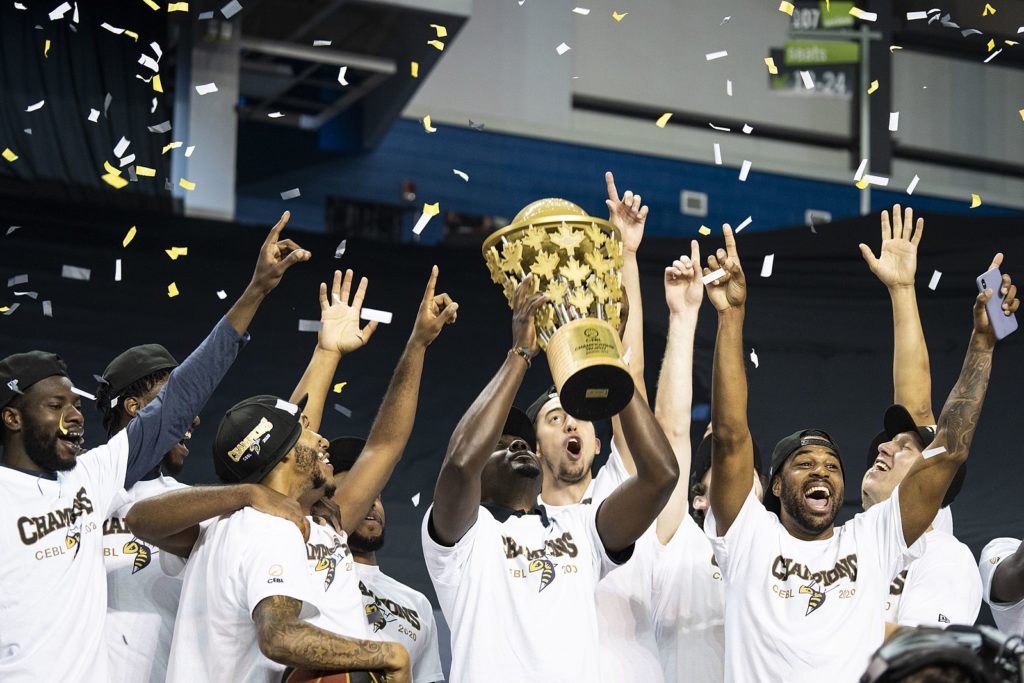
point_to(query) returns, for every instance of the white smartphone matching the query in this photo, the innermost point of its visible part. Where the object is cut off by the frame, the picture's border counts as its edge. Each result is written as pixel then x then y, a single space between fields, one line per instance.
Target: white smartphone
pixel 1003 325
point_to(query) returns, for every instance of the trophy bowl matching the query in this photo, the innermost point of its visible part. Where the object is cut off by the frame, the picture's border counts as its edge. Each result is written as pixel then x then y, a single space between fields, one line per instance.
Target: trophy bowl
pixel 576 260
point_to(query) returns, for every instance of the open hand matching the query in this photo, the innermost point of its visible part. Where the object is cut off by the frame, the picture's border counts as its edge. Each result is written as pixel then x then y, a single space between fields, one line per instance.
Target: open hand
pixel 729 290
pixel 436 311
pixel 684 288
pixel 276 256
pixel 626 214
pixel 339 320
pixel 1007 291
pixel 897 264
pixel 524 309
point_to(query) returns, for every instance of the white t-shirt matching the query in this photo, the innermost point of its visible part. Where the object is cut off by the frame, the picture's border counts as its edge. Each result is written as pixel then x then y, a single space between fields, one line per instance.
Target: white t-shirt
pixel 689 607
pixel 399 614
pixel 1009 617
pixel 519 596
pixel 53 593
pixel 940 588
pixel 806 610
pixel 143 587
pixel 334 576
pixel 238 561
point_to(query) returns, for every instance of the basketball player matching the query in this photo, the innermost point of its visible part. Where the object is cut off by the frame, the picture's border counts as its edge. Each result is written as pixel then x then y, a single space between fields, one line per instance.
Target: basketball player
pixel 394 611
pixel 793 581
pixel 57 494
pixel 1002 575
pixel 516 584
pixel 941 586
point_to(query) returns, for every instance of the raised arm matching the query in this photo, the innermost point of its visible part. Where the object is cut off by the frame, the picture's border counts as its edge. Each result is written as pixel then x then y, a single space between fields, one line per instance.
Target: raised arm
pixel 896 268
pixel 171 521
pixel 161 423
pixel 457 492
pixel 924 487
pixel 286 639
pixel 629 216
pixel 683 293
pixel 732 449
pixel 393 424
pixel 1008 579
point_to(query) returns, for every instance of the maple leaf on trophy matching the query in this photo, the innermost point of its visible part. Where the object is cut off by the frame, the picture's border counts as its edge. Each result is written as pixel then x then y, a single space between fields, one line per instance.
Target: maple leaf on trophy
pixel 512 257
pixel 599 289
pixel 556 291
pixel 614 249
pixel 574 271
pixel 493 267
pixel 600 264
pixel 544 265
pixel 567 238
pixel 535 237
pixel 546 318
pixel 581 299
pixel 595 234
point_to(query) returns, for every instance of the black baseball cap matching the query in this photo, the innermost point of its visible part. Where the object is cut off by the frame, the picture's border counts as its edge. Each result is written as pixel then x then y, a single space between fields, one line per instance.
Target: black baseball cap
pixel 344 451
pixel 255 435
pixel 19 371
pixel 520 425
pixel 701 461
pixel 533 410
pixel 787 447
pixel 898 420
pixel 131 366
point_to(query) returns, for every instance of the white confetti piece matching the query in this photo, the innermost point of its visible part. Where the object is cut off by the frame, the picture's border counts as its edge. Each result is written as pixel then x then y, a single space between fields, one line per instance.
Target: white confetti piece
pixel 711 56
pixel 728 88
pixel 718 154
pixel 35 107
pixel 582 11
pixel 747 129
pixel 808 81
pixel 189 150
pixel 421 224
pixel 879 180
pixel 383 317
pixel 725 20
pixel 48 311
pixel 60 11
pixel 461 174
pixel 94 115
pixel 341 75
pixel 84 394
pixel 768 265
pixel 745 223
pixel 221 294
pixel 113 29
pixel 340 251
pixel 74 17
pixel 291 194
pixel 149 63
pixel 721 128
pixel 75 273
pixel 416 500
pixel 862 15
pixel 860 170
pixel 206 88
pixel 126 160
pixel 934 282
pixel 20 6
pixel 17 280
pixel 913 185
pixel 712 276
pixel 275 115
pixel 121 147
pixel 322 43
pixel 12 308
pixel 231 9
pixel 753 357
pixel 932 452
pixel 152 106
pixel 914 16
pixel 117 270
pixel 289 408
pixel 164 127
pixel 894 121
pixel 992 56
pixel 562 49
pixel 204 16
pixel 310 325
pixel 744 170
pixel 10 230
pixel 343 410
pixel 30 295
pixel 106 103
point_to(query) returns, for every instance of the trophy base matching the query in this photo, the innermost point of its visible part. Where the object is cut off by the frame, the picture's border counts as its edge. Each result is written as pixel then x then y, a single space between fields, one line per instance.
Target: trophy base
pixel 585 357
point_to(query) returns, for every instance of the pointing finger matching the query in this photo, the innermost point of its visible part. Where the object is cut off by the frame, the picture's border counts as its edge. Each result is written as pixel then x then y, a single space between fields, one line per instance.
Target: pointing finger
pixel 428 293
pixel 278 227
pixel 613 193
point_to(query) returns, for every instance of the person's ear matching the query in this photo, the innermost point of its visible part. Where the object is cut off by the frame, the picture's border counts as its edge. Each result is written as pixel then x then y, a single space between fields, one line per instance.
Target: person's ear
pixel 132 406
pixel 700 503
pixel 11 418
pixel 777 487
pixel 597 446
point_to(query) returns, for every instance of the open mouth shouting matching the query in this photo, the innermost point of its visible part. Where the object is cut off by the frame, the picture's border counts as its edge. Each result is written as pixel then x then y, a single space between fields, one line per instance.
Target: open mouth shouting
pixel 574 448
pixel 72 439
pixel 818 497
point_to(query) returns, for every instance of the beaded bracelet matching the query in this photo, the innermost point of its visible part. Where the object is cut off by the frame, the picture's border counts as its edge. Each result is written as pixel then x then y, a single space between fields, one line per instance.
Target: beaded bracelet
pixel 522 353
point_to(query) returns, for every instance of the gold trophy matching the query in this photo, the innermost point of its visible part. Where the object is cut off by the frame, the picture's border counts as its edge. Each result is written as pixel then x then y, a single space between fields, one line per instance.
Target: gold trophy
pixel 576 260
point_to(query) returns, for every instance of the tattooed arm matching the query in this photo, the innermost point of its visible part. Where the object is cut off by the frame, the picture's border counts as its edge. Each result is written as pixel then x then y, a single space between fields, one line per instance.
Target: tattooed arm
pixel 286 639
pixel 924 487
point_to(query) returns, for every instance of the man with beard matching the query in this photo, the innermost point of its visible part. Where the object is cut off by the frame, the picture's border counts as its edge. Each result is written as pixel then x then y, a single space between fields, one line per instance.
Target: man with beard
pixel 941 586
pixel 56 495
pixel 237 550
pixel 394 611
pixel 795 584
pixel 515 583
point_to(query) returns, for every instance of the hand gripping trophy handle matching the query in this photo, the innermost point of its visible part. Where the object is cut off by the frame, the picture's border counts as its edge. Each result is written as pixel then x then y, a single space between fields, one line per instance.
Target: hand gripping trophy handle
pixel 577 261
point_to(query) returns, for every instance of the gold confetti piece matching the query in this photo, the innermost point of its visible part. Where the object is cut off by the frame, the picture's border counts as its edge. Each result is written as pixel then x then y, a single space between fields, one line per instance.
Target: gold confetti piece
pixel 427 126
pixel 770 63
pixel 171 145
pixel 116 182
pixel 619 17
pixel 975 201
pixel 175 252
pixel 441 30
pixel 786 7
pixel 862 184
pixel 4 309
pixel 704 230
pixel 188 185
pixel 660 123
pixel 177 7
pixel 432 209
pixel 129 237
pixel 60 425
pixel 862 15
pixel 991 44
pixel 1021 112
pixel 873 88
pixel 893 48
pixel 1010 42
pixel 111 170
pixel 132 34
pixel 436 44
pixel 339 386
pixel 158 86
pixel 155 7
pixel 9 155
pixel 989 9
pixel 415 68
pixel 145 171
pixel 172 290
pixel 46 48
